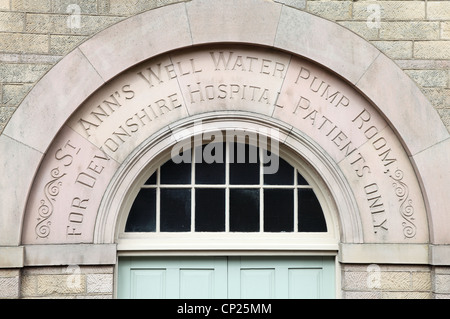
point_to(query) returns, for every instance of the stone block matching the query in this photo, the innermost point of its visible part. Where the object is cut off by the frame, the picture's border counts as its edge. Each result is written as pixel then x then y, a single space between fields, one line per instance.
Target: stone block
pixel 72 6
pixel 406 30
pixel 361 28
pixel 433 175
pixel 442 270
pixel 233 20
pixel 432 49
pixel 38 255
pixel 23 43
pixel 63 44
pixel 396 280
pixel 20 158
pixel 60 284
pixel 62 24
pixel 42 23
pixel 12 21
pixel 21 73
pixel 445 30
pixel 74 68
pixel 355 281
pixel 5 115
pixel 423 64
pixel 13 94
pixel 412 96
pixel 28 286
pixel 421 281
pixel 102 49
pixel 99 283
pixel 9 284
pixel 445 116
pixel 91 24
pixel 31 5
pixel 395 49
pixel 12 257
pixel 331 10
pixel 5 5
pixel 336 56
pixel 438 10
pixel 390 10
pixel 439 97
pixel 103 6
pixel 429 78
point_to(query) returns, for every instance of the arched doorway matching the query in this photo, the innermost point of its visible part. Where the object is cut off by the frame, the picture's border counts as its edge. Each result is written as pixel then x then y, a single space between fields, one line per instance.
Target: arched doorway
pixel 229 210
pixel 242 224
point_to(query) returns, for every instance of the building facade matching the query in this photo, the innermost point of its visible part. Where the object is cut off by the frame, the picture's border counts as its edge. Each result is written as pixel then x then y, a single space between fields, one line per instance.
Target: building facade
pixel 351 99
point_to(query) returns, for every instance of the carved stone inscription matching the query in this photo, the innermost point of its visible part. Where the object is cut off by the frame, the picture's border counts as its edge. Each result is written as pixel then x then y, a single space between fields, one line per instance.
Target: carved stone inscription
pixel 367 150
pixel 157 93
pixel 67 191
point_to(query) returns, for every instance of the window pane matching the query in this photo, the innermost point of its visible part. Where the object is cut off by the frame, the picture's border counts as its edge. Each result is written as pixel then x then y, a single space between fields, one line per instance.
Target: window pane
pixel 244 164
pixel 278 210
pixel 210 210
pixel 152 179
pixel 175 208
pixel 172 173
pixel 211 170
pixel 301 180
pixel 244 210
pixel 283 176
pixel 310 215
pixel 142 217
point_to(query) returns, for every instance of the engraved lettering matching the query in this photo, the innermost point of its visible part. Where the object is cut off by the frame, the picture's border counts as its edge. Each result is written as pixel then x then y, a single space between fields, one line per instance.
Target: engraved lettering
pixel 322 88
pixel 152 75
pixel 196 91
pixel 221 59
pixel 230 61
pixel 66 157
pixel 265 66
pixel 199 93
pixel 76 216
pixel 304 74
pixel 303 103
pixel 86 180
pixel 376 206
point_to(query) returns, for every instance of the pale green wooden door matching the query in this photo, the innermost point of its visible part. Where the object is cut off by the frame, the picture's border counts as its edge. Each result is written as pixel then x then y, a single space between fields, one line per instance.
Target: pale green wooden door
pixel 280 277
pixel 172 278
pixel 222 277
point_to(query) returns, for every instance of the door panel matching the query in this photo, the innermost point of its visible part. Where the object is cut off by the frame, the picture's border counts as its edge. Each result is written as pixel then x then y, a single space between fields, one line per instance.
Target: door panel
pixel 304 283
pixel 222 277
pixel 197 283
pixel 257 283
pixel 172 278
pixel 141 279
pixel 281 277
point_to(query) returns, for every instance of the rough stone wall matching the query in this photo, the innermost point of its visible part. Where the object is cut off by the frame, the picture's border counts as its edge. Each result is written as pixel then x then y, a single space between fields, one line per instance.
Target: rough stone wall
pixel 441 282
pixel 67 282
pixel 9 283
pixel 35 34
pixel 386 282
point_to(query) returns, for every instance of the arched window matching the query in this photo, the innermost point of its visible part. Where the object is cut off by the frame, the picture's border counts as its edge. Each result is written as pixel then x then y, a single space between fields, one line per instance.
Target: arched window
pixel 231 191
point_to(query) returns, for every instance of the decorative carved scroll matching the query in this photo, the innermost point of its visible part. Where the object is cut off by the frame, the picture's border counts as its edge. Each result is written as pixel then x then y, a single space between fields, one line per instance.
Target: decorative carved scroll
pixel 45 210
pixel 406 209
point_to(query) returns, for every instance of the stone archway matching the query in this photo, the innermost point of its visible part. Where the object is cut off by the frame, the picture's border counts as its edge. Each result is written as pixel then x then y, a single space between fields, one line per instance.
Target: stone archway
pixel 113 51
